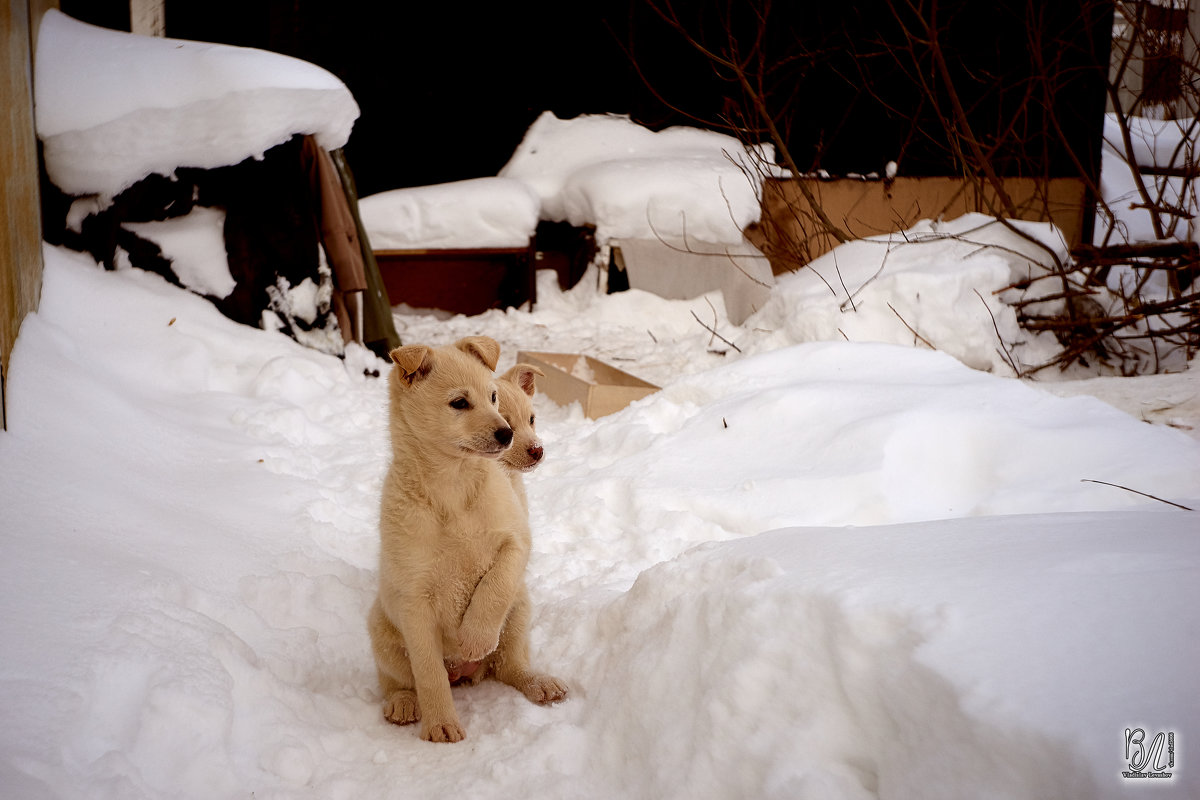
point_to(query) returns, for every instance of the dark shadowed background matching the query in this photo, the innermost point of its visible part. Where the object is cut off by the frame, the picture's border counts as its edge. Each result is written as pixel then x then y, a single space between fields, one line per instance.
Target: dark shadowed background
pixel 447 90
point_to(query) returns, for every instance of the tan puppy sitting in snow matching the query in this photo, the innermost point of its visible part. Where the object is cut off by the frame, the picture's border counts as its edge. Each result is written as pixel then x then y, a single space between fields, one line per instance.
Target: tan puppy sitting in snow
pixel 516 389
pixel 454 542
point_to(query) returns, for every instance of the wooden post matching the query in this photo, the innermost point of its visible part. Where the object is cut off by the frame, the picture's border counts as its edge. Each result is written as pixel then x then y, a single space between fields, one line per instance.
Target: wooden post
pixel 21 225
pixel 147 17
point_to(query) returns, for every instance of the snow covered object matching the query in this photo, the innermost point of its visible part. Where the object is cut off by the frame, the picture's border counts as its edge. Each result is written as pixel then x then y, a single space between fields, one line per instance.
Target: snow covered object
pixel 474 213
pixel 112 107
pixel 674 202
pixel 164 149
pixel 634 183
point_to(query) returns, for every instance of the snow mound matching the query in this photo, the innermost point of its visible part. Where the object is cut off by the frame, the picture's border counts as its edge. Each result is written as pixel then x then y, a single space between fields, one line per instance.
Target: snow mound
pixel 482 212
pixel 112 107
pixel 936 285
pixel 837 434
pixel 634 183
pixel 885 662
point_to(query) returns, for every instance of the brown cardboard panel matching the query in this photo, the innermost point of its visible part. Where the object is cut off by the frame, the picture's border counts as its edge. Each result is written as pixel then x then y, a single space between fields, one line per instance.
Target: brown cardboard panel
pixel 459 281
pixel 600 388
pixel 791 237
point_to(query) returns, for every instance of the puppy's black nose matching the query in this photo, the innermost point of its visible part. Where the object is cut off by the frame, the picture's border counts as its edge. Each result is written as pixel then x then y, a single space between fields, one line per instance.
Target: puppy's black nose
pixel 504 436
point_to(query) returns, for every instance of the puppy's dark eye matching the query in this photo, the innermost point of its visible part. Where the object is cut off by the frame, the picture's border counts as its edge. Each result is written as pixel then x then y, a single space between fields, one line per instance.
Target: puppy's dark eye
pixel 531 420
pixel 460 403
pixel 493 398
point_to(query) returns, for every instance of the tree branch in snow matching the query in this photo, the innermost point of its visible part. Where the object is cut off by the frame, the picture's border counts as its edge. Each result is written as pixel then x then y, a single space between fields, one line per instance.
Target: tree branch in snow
pixel 911 329
pixel 1135 491
pixel 712 329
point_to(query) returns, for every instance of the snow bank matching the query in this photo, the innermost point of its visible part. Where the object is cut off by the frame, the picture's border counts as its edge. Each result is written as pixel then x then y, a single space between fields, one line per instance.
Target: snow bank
pixel 907 661
pixel 191 522
pixel 634 183
pixel 935 285
pixel 112 108
pixel 837 434
pixel 483 212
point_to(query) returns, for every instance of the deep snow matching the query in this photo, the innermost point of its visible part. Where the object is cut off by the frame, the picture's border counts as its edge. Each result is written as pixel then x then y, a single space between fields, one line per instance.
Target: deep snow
pixel 190 513
pixel 824 561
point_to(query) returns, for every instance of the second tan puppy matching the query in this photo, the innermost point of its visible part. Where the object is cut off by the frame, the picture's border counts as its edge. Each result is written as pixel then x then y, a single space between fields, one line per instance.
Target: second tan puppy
pixel 516 389
pixel 454 542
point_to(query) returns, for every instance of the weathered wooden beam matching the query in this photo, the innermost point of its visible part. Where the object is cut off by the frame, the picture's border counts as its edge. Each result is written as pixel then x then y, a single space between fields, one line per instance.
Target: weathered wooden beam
pixel 21 229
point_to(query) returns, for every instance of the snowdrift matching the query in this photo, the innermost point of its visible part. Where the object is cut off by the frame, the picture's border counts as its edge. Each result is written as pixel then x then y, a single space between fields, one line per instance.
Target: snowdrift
pixel 190 513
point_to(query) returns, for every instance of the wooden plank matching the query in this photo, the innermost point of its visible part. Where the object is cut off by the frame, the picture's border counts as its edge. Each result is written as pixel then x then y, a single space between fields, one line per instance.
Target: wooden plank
pixel 21 233
pixel 449 254
pixel 148 17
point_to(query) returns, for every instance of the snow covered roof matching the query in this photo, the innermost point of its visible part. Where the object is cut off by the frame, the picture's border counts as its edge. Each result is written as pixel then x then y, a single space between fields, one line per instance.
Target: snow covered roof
pixel 112 108
pixel 635 183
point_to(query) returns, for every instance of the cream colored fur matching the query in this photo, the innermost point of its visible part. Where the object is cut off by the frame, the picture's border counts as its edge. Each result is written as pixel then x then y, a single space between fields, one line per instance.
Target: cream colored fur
pixel 454 542
pixel 516 389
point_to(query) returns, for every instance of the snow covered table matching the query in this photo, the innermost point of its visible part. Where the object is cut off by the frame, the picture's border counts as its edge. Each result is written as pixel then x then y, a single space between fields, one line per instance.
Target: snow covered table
pixel 464 246
pixel 672 204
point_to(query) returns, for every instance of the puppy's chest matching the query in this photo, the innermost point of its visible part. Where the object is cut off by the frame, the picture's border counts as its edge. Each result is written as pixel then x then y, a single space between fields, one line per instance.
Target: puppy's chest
pixel 459 563
pixel 466 552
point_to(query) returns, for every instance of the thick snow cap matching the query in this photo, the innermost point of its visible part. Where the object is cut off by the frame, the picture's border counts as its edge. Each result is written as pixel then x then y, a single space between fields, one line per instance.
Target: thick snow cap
pixel 112 107
pixel 480 212
pixel 635 183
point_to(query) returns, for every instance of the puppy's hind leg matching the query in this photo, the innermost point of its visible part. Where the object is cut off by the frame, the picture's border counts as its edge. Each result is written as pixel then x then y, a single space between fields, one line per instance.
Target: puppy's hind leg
pixel 510 662
pixel 395 671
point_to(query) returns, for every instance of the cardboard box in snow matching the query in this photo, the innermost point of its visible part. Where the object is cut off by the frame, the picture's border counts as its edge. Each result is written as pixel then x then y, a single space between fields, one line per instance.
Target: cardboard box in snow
pixel 599 388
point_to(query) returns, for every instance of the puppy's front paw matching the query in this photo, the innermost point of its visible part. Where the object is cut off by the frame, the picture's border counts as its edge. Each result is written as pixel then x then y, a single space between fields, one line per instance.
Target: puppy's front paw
pixel 475 644
pixel 443 732
pixel 543 689
pixel 401 708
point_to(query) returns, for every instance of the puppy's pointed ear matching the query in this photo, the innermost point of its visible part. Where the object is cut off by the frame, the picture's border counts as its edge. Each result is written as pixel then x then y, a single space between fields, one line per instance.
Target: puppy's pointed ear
pixel 414 361
pixel 525 376
pixel 486 349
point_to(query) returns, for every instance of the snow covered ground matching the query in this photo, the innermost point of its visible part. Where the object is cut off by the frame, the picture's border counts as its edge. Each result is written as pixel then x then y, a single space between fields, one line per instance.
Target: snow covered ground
pixel 825 561
pixel 825 570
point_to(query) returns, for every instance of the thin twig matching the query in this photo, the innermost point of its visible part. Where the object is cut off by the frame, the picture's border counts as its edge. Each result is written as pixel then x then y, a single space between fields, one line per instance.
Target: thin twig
pixel 1135 491
pixel 714 332
pixel 911 329
pixel 1012 363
